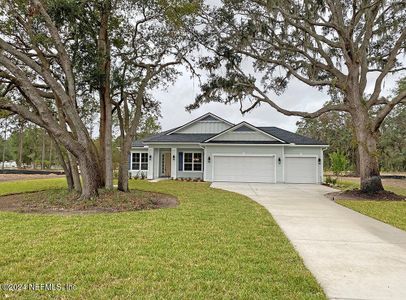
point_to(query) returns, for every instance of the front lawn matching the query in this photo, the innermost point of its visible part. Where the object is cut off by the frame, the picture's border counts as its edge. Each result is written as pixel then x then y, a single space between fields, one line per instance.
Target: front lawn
pixel 391 212
pixel 23 186
pixel 214 245
pixel 397 186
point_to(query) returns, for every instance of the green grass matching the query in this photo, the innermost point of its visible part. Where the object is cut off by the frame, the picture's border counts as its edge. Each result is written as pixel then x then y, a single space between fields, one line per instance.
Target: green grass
pixel 23 186
pixel 390 212
pixel 215 245
pixel 343 184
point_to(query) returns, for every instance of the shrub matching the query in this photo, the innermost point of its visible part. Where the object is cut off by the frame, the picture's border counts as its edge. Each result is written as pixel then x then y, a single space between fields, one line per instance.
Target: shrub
pixel 339 163
pixel 331 180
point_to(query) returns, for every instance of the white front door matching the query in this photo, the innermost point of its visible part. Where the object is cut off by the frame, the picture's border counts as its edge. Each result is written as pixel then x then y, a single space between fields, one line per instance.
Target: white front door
pixel 244 168
pixel 301 169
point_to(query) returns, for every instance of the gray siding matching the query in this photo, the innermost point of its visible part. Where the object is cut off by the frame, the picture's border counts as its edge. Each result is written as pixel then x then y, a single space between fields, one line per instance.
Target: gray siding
pixel 210 150
pixel 189 174
pixel 244 136
pixel 205 127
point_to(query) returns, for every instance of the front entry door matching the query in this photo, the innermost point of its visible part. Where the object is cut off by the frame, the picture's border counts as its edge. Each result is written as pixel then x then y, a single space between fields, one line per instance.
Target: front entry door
pixel 166 164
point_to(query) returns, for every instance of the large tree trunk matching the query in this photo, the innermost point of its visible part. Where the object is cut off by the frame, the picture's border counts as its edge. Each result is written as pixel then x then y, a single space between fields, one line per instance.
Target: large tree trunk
pixel 73 165
pixel 366 138
pixel 357 168
pixel 43 150
pixel 90 176
pixel 368 154
pixel 123 168
pixel 4 145
pixel 105 101
pixel 102 133
pixel 20 144
pixel 65 166
pixel 50 153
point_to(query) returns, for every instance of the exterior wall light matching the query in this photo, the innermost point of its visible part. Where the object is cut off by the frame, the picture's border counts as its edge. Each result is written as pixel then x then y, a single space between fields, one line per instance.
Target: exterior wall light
pixel 173 157
pixel 150 157
pixel 208 159
pixel 319 160
pixel 279 160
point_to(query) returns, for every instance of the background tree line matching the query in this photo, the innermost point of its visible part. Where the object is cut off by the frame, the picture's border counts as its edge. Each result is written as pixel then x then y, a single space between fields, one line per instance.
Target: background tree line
pixel 335 129
pixel 29 146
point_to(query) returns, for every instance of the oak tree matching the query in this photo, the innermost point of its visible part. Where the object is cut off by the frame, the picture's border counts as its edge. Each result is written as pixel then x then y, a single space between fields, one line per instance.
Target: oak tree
pixel 339 46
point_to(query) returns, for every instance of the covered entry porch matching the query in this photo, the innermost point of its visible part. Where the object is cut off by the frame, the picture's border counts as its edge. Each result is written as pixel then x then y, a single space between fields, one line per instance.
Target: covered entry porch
pixel 170 162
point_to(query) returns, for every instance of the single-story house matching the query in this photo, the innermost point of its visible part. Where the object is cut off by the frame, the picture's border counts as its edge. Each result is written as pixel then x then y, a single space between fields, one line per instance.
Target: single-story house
pixel 213 149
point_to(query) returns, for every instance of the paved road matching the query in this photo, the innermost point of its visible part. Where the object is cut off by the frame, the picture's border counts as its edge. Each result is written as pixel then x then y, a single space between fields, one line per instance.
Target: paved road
pixel 351 255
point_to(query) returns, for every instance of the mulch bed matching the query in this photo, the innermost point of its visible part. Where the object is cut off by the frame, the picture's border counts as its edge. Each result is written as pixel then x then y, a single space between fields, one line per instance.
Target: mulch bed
pixel 62 202
pixel 358 195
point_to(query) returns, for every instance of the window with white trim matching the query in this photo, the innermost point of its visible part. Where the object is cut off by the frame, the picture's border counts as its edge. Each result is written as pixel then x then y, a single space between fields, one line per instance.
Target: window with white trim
pixel 192 161
pixel 139 161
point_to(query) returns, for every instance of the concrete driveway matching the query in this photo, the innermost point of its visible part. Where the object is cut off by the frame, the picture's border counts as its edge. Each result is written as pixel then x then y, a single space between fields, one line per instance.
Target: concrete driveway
pixel 351 255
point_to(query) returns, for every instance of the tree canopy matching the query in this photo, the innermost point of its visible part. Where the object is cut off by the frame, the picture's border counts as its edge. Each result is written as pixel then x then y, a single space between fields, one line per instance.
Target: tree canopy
pixel 257 47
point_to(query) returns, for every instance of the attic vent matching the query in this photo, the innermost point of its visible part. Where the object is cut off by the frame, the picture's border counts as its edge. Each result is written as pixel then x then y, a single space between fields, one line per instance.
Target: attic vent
pixel 209 118
pixel 244 128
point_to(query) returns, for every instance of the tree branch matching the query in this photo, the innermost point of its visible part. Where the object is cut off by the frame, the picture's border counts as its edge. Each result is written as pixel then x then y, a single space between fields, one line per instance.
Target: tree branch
pixel 386 69
pixel 381 115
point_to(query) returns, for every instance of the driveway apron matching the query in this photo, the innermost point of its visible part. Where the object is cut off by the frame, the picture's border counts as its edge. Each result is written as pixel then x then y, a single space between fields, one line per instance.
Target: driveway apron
pixel 351 255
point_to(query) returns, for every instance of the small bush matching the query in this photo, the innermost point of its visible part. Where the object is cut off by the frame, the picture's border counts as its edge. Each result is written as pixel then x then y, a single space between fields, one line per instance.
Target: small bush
pixel 331 180
pixel 339 163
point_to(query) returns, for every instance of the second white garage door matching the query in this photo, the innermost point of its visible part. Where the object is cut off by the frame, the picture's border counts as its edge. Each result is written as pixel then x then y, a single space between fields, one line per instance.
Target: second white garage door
pixel 300 170
pixel 244 168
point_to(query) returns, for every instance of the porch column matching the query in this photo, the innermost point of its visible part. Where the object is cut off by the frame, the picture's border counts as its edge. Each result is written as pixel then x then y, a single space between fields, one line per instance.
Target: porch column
pixel 174 162
pixel 150 173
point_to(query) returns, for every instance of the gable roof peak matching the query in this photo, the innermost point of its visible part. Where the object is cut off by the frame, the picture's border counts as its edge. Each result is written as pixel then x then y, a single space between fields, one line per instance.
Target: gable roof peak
pixel 208 115
pixel 248 125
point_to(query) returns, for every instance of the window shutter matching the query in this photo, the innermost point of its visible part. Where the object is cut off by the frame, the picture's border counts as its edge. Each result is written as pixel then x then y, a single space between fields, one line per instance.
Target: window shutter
pixel 180 161
pixel 129 161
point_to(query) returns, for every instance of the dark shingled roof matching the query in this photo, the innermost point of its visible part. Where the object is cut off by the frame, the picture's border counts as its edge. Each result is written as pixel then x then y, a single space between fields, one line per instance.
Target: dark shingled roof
pixel 284 135
pixel 181 137
pixel 248 142
pixel 291 137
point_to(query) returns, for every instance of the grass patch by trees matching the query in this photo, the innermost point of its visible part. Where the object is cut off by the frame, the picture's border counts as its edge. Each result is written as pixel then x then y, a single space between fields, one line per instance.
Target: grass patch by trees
pixel 215 244
pixel 344 184
pixel 24 186
pixel 390 212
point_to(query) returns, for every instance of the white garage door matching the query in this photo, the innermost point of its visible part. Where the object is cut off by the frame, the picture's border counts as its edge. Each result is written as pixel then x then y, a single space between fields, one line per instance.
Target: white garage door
pixel 244 168
pixel 300 170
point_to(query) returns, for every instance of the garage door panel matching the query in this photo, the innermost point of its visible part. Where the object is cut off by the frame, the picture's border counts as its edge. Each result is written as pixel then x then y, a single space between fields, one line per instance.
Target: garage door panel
pixel 300 170
pixel 244 168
